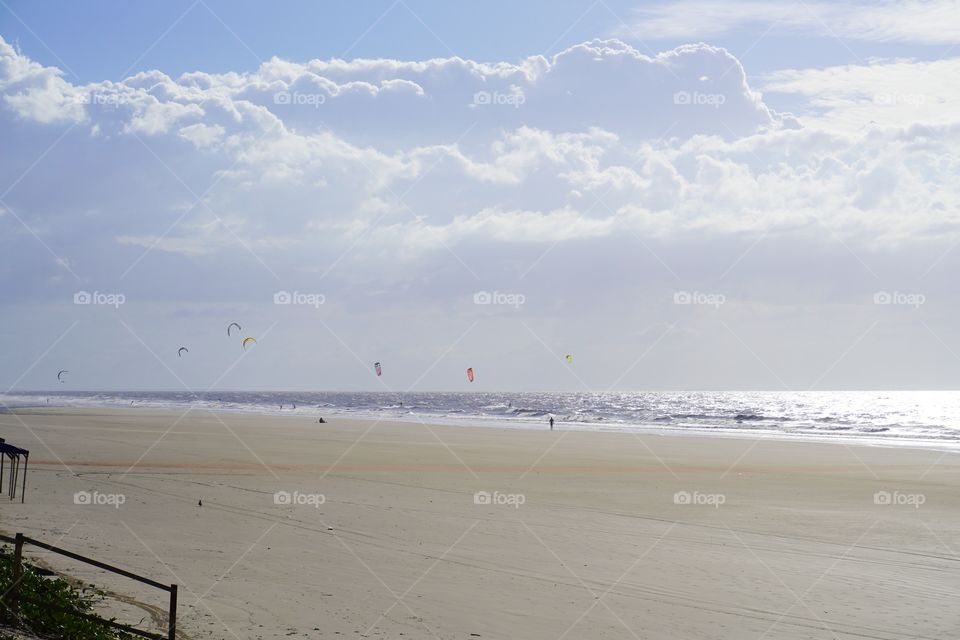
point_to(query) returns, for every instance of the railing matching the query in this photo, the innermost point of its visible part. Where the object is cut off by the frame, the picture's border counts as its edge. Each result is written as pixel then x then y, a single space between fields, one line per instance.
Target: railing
pixel 13 598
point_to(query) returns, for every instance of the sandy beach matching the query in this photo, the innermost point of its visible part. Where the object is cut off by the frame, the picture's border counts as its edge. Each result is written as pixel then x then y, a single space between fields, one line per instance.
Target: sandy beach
pixel 358 528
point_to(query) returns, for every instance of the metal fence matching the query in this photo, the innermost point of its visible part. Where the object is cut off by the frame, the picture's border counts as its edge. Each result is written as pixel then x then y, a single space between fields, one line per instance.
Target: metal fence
pixel 14 454
pixel 13 598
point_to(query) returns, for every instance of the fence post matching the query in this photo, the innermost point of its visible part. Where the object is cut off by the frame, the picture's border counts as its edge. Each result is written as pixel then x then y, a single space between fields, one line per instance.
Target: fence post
pixel 23 490
pixel 14 594
pixel 5 600
pixel 172 629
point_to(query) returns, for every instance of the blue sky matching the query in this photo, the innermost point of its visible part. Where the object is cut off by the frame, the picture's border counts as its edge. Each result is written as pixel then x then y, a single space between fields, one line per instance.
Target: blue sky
pixel 684 194
pixel 105 40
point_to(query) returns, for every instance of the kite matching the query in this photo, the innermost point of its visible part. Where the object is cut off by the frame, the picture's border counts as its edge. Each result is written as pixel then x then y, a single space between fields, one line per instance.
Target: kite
pixel 233 324
pixel 181 350
pixel 470 374
pixel 248 340
pixel 376 367
pixel 60 375
pixel 569 358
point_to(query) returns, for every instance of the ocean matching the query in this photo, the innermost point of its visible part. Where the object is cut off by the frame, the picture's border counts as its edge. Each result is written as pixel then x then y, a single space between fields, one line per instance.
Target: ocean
pixel 892 417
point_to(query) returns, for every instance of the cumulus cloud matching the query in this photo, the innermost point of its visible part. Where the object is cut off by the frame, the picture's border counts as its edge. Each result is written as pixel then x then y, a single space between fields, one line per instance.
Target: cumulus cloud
pixel 202 135
pixel 606 83
pixel 35 92
pixel 597 140
pixel 598 180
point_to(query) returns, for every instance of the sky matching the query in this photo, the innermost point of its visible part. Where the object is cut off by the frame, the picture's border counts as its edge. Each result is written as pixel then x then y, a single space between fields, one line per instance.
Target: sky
pixel 681 195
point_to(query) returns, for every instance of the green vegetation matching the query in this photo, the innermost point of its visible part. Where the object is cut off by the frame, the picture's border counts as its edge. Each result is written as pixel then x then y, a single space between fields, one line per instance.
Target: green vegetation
pixel 56 592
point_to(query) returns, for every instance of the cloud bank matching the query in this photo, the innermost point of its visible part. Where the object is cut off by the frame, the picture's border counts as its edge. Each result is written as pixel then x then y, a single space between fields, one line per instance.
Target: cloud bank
pixel 594 177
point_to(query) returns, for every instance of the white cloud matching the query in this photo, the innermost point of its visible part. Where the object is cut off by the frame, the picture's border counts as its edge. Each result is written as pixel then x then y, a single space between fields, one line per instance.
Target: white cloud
pixel 605 82
pixel 597 193
pixel 202 135
pixel 923 21
pixel 196 246
pixel 525 226
pixel 35 92
pixel 896 93
pixel 295 176
pixel 158 117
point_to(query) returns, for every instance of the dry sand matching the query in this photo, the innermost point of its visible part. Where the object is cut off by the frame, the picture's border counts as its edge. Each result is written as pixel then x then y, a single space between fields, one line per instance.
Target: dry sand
pixel 599 547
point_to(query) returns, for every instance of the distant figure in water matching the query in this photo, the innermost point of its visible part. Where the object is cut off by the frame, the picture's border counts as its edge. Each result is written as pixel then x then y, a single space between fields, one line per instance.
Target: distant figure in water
pixel 321 420
pixel 551 423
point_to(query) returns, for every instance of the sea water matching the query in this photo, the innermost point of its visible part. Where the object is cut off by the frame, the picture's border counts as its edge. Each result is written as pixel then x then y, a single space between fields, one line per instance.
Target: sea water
pixel 875 416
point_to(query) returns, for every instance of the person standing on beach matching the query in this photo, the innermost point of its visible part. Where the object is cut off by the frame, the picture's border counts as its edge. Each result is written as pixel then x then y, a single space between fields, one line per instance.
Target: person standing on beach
pixel 551 423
